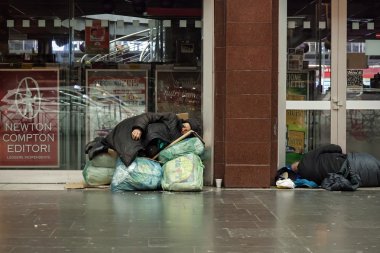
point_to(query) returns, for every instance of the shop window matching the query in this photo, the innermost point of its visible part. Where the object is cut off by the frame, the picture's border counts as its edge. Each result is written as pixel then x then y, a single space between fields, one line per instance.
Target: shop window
pixel 88 71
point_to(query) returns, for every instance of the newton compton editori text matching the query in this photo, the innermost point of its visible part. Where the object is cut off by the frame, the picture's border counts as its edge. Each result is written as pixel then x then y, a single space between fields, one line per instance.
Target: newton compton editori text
pixel 28 137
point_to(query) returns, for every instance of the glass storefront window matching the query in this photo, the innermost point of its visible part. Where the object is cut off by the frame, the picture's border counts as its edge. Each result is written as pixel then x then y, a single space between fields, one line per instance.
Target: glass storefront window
pixel 308 72
pixel 363 78
pixel 72 76
pixel 363 69
pixel 308 50
pixel 306 130
pixel 362 131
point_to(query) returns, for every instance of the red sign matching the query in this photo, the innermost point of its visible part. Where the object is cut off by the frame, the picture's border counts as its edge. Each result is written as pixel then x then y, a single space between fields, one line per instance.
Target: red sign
pixel 29 119
pixel 97 39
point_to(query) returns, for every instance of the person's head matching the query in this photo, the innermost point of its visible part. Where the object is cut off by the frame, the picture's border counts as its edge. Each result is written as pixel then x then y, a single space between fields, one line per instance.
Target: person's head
pixel 191 124
pixel 294 166
pixel 185 127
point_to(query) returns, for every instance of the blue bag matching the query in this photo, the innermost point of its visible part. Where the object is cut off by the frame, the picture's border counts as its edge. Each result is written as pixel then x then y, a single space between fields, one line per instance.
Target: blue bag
pixel 141 174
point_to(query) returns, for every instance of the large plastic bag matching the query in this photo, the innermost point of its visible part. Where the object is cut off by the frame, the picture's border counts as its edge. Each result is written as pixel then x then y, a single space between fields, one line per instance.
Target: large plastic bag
pixel 104 160
pixel 141 174
pixel 189 145
pixel 184 173
pixel 95 176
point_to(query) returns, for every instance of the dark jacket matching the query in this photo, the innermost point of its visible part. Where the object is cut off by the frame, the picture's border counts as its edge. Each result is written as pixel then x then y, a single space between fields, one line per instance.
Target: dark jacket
pixel 318 163
pixel 163 126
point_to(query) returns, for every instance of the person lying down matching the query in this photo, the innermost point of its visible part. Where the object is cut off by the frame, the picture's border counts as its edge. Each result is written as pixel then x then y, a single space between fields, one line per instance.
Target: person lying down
pixel 328 167
pixel 144 135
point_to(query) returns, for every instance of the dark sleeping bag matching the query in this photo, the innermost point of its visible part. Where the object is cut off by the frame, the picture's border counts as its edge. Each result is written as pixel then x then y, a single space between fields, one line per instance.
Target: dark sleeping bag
pixel 359 170
pixel 367 167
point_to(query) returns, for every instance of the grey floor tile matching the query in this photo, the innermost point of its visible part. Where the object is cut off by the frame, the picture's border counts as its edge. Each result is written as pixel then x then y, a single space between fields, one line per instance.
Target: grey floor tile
pixel 245 220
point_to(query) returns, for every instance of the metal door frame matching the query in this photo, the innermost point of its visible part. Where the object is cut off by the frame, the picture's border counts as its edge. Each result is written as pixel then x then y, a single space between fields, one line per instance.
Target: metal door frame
pixel 337 105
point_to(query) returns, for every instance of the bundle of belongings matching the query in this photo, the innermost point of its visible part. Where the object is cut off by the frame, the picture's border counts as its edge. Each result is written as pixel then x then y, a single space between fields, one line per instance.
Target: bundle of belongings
pixel 286 178
pixel 177 168
pixel 153 162
pixel 329 168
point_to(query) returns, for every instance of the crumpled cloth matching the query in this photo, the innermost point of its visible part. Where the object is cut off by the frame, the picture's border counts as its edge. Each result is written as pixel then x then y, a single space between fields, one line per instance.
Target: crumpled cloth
pixel 286 183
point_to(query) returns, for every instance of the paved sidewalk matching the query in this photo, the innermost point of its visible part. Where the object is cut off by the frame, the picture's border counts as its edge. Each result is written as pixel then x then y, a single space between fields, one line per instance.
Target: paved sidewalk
pixel 215 220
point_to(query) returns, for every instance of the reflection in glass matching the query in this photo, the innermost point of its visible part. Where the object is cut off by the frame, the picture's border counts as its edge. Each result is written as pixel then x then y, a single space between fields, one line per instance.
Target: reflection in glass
pixel 363 133
pixel 363 61
pixel 363 76
pixel 308 52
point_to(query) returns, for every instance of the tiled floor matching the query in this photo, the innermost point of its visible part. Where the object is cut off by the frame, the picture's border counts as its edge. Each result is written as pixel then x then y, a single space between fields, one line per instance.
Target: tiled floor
pixel 31 187
pixel 215 220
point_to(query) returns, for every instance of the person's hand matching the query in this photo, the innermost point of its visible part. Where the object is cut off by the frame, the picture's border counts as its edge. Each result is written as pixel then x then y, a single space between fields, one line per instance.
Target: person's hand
pixel 136 134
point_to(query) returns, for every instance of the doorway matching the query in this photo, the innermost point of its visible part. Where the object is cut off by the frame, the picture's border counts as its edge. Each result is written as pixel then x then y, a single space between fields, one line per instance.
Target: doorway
pixel 328 77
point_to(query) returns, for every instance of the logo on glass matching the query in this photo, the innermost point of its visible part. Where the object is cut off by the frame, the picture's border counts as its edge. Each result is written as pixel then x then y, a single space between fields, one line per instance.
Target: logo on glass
pixel 28 98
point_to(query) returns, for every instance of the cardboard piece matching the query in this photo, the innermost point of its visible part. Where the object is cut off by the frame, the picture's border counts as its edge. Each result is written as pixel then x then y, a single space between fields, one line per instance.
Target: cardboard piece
pixel 75 185
pixel 83 185
pixel 112 153
pixel 183 116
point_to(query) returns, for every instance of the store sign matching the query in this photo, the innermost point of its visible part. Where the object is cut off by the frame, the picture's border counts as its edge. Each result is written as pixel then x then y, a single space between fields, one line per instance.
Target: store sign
pixel 354 78
pixel 114 95
pixel 97 38
pixel 29 118
pixel 296 140
pixel 297 84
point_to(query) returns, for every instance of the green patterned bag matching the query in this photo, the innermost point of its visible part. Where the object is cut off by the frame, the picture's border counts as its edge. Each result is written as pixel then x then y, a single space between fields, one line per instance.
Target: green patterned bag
pixel 184 173
pixel 189 145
